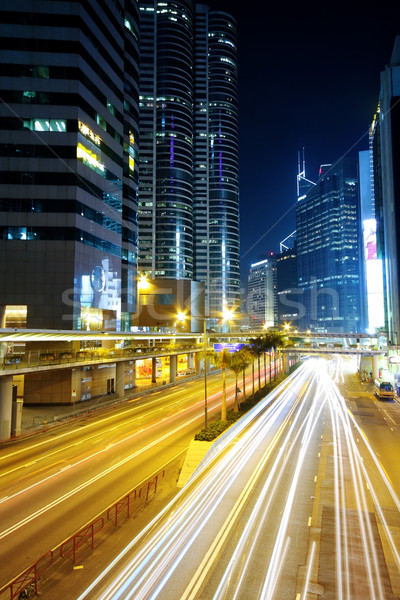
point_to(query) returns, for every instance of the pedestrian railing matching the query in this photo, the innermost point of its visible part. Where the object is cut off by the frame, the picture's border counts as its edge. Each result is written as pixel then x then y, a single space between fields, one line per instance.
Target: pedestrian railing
pixel 29 578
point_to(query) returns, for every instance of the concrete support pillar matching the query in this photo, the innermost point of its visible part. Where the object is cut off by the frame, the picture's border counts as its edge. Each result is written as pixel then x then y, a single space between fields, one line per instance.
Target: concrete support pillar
pixel 132 373
pixel 16 422
pixel 173 362
pixel 3 345
pixel 190 360
pixel 197 363
pixel 375 367
pixel 76 385
pixel 154 370
pixel 6 395
pixel 120 379
pixel 2 317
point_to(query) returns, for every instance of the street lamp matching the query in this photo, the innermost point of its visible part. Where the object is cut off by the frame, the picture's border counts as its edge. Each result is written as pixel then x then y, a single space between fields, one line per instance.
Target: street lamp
pixel 181 319
pixel 227 315
pixel 205 372
pixel 143 283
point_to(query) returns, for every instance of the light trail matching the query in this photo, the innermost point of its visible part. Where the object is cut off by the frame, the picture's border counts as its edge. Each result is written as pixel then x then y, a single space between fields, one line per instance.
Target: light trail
pixel 181 553
pixel 267 496
pixel 353 491
pixel 151 567
pixel 45 508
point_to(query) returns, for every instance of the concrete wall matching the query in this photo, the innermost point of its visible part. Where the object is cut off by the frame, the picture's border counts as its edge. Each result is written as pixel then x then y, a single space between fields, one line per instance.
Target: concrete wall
pixel 48 387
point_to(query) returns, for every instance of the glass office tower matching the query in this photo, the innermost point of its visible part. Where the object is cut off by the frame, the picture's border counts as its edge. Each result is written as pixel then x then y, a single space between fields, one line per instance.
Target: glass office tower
pixel 166 140
pixel 189 198
pixel 385 133
pixel 262 299
pixel 329 250
pixel 68 168
pixel 216 192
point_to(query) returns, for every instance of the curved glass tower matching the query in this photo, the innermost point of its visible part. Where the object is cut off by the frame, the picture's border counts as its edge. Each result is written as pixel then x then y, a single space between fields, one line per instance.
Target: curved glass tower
pixel 166 142
pixel 224 271
pixel 189 191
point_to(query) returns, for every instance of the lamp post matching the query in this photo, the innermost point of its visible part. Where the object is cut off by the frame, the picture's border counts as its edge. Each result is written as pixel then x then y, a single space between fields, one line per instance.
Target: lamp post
pixel 181 318
pixel 205 373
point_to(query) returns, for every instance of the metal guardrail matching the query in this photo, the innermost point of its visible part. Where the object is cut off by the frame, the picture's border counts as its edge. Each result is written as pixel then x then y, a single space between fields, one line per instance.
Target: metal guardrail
pixel 31 575
pixel 33 360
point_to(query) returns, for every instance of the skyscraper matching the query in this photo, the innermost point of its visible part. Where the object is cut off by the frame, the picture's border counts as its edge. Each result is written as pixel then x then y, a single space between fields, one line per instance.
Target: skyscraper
pixel 329 250
pixel 372 264
pixel 216 122
pixel 386 157
pixel 286 270
pixel 166 139
pixel 262 301
pixel 189 197
pixel 68 168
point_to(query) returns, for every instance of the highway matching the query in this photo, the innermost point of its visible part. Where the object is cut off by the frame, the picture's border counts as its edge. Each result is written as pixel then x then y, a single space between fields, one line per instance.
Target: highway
pixel 292 503
pixel 51 485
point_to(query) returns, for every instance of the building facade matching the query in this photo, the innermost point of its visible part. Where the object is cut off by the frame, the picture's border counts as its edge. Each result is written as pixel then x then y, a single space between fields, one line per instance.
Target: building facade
pixel 166 139
pixel 385 133
pixel 262 299
pixel 189 195
pixel 286 271
pixel 329 251
pixel 372 264
pixel 68 168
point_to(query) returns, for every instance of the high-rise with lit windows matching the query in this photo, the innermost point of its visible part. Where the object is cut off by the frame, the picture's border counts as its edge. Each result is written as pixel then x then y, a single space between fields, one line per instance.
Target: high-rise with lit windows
pixel 216 160
pixel 329 251
pixel 262 299
pixel 189 197
pixel 385 136
pixel 68 166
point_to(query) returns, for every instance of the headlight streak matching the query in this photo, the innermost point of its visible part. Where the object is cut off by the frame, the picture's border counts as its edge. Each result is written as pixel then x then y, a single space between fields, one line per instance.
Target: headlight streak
pixel 83 485
pixel 252 529
pixel 142 566
pixel 308 573
pixel 371 560
pixel 339 497
pixel 230 467
pixel 343 419
pixel 273 572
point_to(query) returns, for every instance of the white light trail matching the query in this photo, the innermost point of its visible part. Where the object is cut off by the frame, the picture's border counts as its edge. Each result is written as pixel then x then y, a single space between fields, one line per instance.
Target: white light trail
pixel 184 523
pixel 277 436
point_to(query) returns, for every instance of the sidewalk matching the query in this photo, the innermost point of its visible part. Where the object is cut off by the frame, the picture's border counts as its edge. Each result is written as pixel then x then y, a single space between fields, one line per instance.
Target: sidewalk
pixel 36 417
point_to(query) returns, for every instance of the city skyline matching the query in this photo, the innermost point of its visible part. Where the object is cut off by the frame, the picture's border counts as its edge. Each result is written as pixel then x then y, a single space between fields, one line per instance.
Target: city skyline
pixel 308 79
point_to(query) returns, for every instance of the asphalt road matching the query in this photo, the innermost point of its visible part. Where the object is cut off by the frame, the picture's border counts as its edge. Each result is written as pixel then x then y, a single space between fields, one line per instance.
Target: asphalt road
pixel 53 484
pixel 299 500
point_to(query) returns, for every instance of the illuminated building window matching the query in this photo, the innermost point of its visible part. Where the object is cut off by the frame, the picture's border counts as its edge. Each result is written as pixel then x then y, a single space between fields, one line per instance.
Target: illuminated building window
pixel 90 159
pixel 57 125
pixel 101 121
pixel 88 133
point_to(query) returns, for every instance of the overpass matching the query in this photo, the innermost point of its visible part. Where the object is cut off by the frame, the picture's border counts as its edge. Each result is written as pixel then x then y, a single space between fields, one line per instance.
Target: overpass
pixel 62 377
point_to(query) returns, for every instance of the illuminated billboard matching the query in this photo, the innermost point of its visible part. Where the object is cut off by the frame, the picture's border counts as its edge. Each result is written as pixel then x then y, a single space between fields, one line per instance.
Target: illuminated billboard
pixel 374 276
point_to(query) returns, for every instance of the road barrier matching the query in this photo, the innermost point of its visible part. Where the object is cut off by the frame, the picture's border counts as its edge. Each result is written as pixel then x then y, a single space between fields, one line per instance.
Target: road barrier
pixel 81 537
pixel 120 506
pixel 30 576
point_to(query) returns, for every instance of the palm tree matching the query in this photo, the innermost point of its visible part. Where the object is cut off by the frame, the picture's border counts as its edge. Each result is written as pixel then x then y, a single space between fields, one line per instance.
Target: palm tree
pixel 257 345
pixel 224 359
pixel 239 361
pixel 247 360
pixel 235 365
pixel 274 340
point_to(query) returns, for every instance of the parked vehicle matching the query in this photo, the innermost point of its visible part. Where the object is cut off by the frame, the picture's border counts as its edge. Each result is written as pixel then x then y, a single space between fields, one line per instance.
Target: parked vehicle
pixel 383 389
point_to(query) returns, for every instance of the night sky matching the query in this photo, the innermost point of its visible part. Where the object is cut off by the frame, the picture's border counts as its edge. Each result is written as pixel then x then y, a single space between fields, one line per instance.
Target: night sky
pixel 309 78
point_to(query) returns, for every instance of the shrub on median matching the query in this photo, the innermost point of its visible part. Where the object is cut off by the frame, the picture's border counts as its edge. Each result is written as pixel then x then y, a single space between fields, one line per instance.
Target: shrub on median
pixel 217 427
